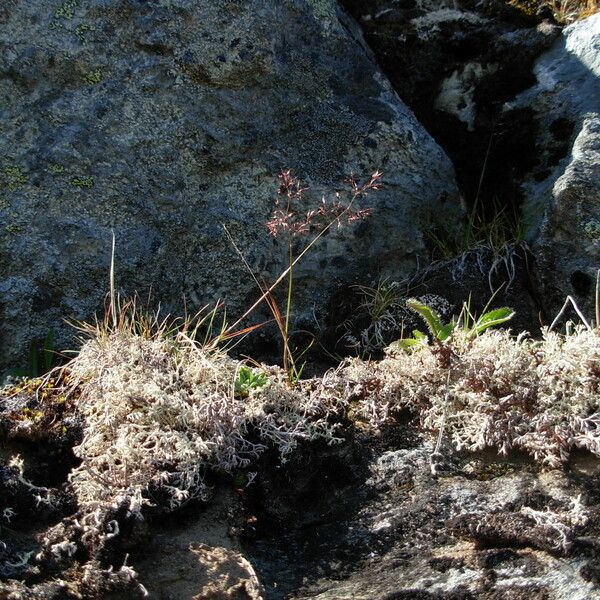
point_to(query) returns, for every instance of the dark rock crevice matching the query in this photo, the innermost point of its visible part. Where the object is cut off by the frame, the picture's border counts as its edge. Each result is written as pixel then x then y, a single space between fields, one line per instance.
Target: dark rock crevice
pixel 455 68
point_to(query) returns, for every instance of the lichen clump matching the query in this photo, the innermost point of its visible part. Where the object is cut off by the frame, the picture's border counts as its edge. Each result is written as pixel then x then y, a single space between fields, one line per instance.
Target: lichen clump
pixel 158 413
pixel 495 390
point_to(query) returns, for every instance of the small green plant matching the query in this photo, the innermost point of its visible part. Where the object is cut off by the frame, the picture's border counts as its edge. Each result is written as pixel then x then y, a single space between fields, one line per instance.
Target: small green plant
pixel 470 325
pixel 248 380
pixel 379 300
pixel 379 316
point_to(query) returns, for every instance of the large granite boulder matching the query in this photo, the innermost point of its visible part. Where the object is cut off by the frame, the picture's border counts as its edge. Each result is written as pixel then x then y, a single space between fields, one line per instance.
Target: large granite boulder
pixel 163 120
pixel 562 191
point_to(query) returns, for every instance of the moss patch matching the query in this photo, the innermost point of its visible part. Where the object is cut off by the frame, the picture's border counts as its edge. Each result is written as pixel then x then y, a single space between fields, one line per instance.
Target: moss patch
pixel 12 177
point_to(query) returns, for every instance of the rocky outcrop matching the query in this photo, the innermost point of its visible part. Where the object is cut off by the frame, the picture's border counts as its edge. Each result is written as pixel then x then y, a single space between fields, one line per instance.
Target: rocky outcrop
pixel 484 529
pixel 562 192
pixel 144 468
pixel 455 64
pixel 521 126
pixel 164 120
pixel 384 514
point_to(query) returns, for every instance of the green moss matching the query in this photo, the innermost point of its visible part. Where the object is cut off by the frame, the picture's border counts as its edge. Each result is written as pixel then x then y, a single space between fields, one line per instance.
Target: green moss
pixel 66 10
pixel 56 169
pixel 12 177
pixel 93 77
pixel 82 182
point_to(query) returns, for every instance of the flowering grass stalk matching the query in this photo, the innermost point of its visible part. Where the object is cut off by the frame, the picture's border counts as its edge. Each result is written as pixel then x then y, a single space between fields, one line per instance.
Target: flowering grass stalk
pixel 290 219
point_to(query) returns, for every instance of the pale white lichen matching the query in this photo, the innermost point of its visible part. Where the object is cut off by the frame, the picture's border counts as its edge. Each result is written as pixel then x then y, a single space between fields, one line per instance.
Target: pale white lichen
pixel 158 413
pixel 456 95
pixel 494 391
pixel 8 513
pixel 562 523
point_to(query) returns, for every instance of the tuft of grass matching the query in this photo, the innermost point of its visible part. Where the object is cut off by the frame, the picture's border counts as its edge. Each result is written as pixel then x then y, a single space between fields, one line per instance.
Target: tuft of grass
pixel 380 312
pixel 381 299
pixel 498 233
pixel 291 219
pixel 569 11
pixel 563 11
pixel 161 404
pixel 500 240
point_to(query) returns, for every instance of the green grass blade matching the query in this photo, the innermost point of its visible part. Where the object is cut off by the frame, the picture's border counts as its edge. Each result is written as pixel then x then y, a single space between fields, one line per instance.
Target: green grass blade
pixel 493 318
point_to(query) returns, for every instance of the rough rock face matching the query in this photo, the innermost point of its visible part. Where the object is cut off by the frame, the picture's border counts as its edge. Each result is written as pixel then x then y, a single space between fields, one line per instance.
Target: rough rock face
pixel 162 121
pixel 384 527
pixel 455 64
pixel 562 193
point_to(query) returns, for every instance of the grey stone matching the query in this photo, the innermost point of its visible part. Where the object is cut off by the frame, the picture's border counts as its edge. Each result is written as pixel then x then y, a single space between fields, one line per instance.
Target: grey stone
pixel 488 528
pixel 164 120
pixel 562 193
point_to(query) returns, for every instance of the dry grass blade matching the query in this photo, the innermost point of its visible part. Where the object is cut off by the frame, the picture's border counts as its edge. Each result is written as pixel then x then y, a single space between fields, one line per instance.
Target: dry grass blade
pixel 113 299
pixel 570 300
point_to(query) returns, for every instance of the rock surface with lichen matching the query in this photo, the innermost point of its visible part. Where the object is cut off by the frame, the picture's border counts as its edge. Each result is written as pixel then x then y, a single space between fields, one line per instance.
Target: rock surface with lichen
pixel 163 121
pixel 562 197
